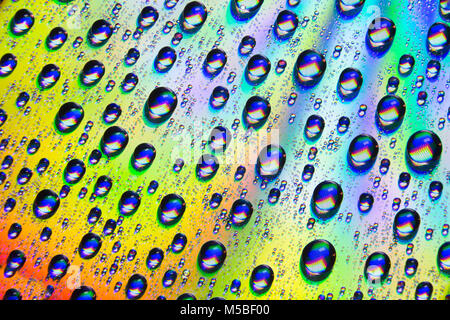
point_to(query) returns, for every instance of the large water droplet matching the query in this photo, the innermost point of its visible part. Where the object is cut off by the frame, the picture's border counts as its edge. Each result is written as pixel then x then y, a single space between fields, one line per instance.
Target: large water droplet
pixel 89 246
pixel 438 39
pixel 207 167
pixel 8 63
pixel 241 212
pixel 423 151
pixel 261 279
pixel 443 258
pixel 171 209
pixel 99 33
pixel 165 59
pixel 349 84
pixel 211 256
pixel 270 162
pixel 219 139
pixel 56 38
pixel 136 287
pixel 160 105
pixel 129 203
pixel 326 199
pixel 390 112
pixel 309 68
pixel 22 22
pixel 83 293
pixel 93 71
pixel 114 141
pixel 243 10
pixel 58 266
pixel 380 35
pixel 45 204
pixel 406 224
pixel 257 70
pixel 154 258
pixel 285 24
pixel 349 8
pixel 74 171
pixel 193 17
pixel 48 76
pixel 256 112
pixel 143 156
pixel 376 268
pixel 147 17
pixel 317 260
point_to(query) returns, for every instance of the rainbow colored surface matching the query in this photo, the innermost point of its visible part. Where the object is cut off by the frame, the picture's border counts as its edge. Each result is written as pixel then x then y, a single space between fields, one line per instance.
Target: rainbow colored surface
pixel 345 191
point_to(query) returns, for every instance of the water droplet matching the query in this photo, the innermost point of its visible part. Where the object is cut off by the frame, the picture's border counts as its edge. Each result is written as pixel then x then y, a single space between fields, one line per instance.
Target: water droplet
pixel 314 127
pixel 99 33
pixel 261 279
pixel 270 162
pixel 219 139
pixel 165 59
pixel 309 68
pixel 246 45
pixel 349 8
pixel 8 63
pixel 129 203
pixel 423 151
pixel 390 112
pixel 22 22
pixel 349 84
pixel 56 38
pixel 193 17
pixel 317 260
pixel 15 261
pixel 143 157
pixel 438 39
pixel 74 171
pixel 256 112
pixel 219 97
pixel 424 290
pixel 136 287
pixel 380 35
pixel 243 10
pixel 285 24
pixel 132 56
pixel 45 204
pixel 362 153
pixel 129 82
pixel 83 293
pixel 58 266
pixel 406 64
pixel 241 212
pixel 214 62
pixel 147 17
pixel 257 70
pixel 111 113
pixel 89 246
pixel 326 199
pixel 211 256
pixel 160 105
pixel 48 76
pixel 406 224
pixel 435 190
pixel 376 268
pixel 114 141
pixel 154 258
pixel 69 117
pixel 207 167
pixel 93 71
pixel 365 202
pixel 171 209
